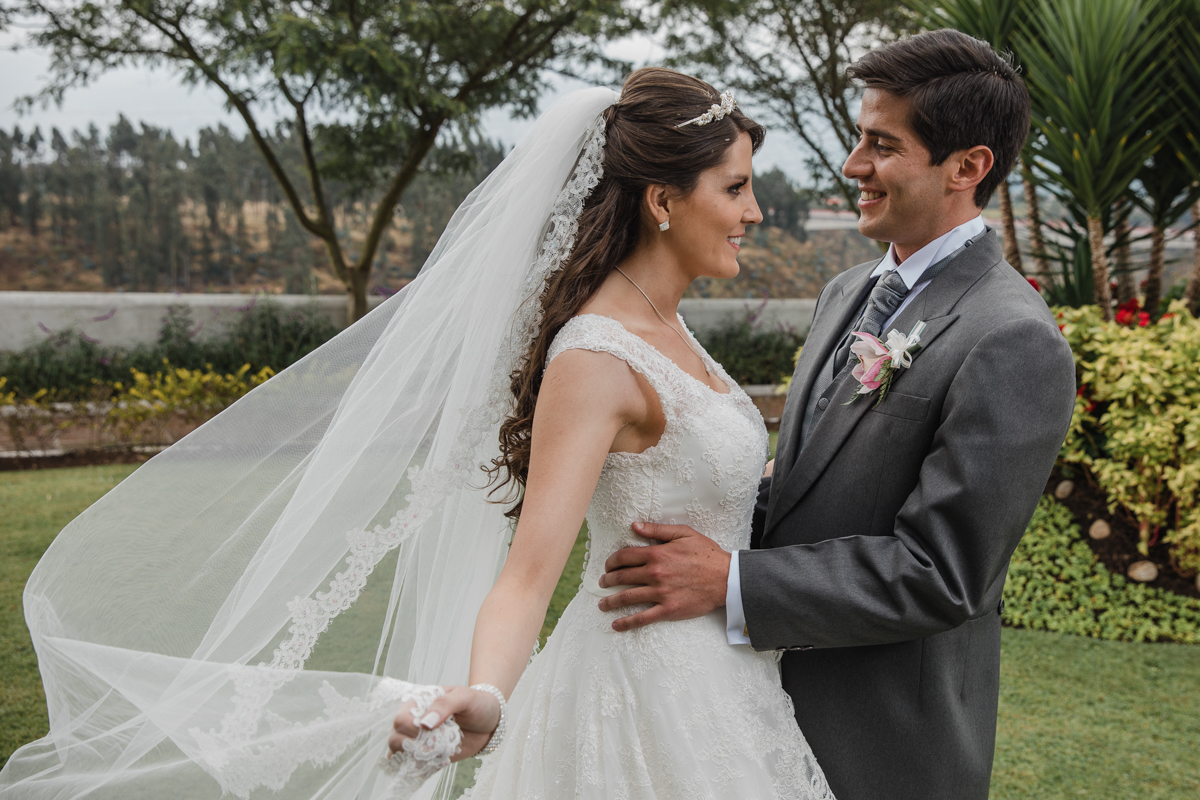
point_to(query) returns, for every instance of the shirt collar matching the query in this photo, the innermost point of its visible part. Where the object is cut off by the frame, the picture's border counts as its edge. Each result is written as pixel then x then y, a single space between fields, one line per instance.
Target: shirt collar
pixel 916 264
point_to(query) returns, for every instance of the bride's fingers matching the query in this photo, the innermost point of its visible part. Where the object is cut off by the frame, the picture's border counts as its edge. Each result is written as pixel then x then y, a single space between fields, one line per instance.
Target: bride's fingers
pixel 396 742
pixel 403 724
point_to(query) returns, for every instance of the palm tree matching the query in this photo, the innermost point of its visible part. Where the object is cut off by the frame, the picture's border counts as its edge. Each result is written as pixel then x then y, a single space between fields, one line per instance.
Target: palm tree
pixel 1188 69
pixel 1168 178
pixel 1092 74
pixel 995 22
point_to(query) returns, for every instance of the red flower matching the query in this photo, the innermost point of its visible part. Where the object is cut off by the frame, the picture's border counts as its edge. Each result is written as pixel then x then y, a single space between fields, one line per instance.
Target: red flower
pixel 1124 317
pixel 1143 319
pixel 1037 287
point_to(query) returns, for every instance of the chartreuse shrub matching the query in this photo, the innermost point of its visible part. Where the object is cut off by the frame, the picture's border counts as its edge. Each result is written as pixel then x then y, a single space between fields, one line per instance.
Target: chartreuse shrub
pixel 1136 428
pixel 1056 583
pixel 124 413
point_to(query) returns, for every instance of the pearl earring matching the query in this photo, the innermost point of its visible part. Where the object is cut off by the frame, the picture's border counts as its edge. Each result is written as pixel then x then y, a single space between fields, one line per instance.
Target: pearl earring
pixel 664 225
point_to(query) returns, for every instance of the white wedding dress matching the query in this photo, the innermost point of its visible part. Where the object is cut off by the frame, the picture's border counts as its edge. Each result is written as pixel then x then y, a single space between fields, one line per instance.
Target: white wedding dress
pixel 670 710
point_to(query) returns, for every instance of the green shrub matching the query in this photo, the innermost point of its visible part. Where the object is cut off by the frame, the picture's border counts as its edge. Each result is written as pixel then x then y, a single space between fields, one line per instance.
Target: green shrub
pixel 751 352
pixel 1056 583
pixel 1136 429
pixel 67 366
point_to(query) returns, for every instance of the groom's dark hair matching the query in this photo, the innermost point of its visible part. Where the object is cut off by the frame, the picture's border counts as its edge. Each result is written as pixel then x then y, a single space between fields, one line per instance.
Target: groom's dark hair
pixel 961 94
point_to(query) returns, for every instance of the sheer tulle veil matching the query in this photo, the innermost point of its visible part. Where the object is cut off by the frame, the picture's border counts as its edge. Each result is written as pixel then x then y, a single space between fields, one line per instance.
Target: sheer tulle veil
pixel 222 620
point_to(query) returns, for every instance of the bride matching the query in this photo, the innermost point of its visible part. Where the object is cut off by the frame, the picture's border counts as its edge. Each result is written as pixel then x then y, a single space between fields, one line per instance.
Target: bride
pixel 246 612
pixel 620 415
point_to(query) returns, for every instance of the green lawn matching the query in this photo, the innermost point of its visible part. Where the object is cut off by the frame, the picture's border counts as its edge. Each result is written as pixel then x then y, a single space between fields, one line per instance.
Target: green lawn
pixel 1079 718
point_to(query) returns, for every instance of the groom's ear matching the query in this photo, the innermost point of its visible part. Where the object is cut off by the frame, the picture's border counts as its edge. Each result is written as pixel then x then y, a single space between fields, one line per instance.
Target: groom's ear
pixel 968 167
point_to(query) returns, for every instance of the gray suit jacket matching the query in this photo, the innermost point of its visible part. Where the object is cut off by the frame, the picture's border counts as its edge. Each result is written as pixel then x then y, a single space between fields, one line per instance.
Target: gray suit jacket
pixel 881 550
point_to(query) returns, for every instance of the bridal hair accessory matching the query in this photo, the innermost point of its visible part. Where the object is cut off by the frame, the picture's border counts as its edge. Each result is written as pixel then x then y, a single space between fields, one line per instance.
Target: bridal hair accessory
pixel 245 610
pixel 665 225
pixel 498 734
pixel 878 362
pixel 707 371
pixel 717 111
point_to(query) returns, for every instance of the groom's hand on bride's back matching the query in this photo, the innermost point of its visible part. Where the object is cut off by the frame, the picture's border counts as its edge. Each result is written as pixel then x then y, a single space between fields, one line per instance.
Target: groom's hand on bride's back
pixel 684 577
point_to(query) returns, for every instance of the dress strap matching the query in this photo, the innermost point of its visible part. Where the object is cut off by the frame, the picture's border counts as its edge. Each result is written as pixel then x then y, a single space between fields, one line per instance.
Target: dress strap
pixel 605 335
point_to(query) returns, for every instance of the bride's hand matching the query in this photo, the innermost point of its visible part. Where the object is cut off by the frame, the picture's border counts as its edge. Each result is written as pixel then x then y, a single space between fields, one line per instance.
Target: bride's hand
pixel 477 714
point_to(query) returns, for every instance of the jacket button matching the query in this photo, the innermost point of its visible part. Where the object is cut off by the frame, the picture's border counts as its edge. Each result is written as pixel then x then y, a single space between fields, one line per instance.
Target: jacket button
pixel 823 403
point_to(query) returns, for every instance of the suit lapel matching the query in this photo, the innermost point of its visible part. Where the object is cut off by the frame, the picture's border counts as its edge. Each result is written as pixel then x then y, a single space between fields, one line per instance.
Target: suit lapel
pixel 817 349
pixel 933 305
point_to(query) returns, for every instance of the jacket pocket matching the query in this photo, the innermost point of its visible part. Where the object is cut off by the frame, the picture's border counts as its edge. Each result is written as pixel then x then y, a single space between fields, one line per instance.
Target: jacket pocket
pixel 904 406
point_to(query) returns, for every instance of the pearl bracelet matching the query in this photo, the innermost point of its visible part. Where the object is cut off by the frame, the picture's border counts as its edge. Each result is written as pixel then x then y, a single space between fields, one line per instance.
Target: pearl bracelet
pixel 498 734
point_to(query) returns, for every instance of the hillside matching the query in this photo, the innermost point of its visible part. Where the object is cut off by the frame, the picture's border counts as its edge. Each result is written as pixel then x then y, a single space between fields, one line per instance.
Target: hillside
pixel 774 263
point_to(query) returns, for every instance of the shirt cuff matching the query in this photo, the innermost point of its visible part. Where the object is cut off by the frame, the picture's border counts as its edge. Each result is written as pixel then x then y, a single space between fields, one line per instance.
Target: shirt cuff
pixel 735 616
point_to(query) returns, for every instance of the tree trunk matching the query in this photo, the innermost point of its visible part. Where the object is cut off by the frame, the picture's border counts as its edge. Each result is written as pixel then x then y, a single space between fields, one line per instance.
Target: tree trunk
pixel 1012 251
pixel 1103 291
pixel 1033 217
pixel 1126 288
pixel 1191 294
pixel 356 295
pixel 1158 246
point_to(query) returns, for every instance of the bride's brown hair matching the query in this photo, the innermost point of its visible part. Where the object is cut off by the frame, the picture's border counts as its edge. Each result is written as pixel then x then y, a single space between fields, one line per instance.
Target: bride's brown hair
pixel 643 148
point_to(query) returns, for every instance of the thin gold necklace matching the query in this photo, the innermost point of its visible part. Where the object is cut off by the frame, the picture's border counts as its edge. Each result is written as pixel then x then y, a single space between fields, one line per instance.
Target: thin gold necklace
pixel 707 371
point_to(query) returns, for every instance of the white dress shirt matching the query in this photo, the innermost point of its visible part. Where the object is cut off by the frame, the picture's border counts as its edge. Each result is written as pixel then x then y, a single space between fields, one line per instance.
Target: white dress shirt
pixel 911 271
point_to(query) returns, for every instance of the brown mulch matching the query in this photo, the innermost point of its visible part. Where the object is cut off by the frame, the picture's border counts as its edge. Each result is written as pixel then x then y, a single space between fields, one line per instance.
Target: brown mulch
pixel 1088 503
pixel 77 458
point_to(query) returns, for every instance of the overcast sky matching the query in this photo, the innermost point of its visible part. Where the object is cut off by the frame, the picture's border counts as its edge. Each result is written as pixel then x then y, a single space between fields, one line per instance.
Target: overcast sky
pixel 158 98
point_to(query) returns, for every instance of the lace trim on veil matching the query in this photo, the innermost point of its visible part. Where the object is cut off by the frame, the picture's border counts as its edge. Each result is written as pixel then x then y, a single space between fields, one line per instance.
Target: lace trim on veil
pixel 311 616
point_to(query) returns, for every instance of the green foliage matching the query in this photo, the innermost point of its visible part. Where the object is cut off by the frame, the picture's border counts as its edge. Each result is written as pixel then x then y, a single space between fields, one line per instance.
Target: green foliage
pixel 1092 67
pixel 1135 427
pixel 750 352
pixel 1056 583
pixel 1073 284
pixel 991 21
pixel 67 365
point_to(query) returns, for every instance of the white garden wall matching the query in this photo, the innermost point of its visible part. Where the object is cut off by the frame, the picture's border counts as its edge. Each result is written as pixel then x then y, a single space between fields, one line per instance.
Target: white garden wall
pixel 129 318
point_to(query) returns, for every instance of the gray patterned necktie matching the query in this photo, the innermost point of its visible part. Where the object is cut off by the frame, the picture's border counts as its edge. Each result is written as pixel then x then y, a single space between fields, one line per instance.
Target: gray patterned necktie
pixel 885 298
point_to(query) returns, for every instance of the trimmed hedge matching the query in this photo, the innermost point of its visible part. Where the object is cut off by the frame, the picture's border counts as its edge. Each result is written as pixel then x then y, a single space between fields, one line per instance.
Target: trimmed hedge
pixel 1056 583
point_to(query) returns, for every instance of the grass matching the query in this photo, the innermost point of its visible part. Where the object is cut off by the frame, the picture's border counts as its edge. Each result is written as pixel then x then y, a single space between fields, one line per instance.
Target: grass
pixel 34 506
pixel 1079 718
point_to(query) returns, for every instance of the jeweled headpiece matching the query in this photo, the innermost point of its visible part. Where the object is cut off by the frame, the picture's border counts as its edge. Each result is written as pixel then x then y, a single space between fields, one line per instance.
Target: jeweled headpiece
pixel 717 111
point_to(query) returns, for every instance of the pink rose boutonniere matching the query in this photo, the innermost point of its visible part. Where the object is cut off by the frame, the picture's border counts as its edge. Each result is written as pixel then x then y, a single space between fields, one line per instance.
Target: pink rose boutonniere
pixel 878 362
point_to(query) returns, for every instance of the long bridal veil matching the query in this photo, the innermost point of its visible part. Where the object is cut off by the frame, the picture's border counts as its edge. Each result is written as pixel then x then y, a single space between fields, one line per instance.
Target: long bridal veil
pixel 223 621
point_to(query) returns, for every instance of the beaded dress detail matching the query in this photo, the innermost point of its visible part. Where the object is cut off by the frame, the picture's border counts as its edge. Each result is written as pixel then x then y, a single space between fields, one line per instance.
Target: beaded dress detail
pixel 670 710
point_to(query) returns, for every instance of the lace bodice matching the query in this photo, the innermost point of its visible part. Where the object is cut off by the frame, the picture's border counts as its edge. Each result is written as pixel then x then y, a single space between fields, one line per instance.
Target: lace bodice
pixel 704 470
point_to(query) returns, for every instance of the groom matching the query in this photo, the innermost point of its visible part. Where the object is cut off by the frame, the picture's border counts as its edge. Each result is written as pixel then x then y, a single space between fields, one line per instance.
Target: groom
pixel 881 542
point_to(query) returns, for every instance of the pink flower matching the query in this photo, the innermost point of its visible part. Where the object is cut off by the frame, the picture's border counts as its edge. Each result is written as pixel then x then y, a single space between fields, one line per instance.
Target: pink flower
pixel 873 357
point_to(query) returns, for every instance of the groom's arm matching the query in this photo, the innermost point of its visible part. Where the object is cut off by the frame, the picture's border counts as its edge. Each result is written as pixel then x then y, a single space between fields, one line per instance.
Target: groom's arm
pixel 1004 420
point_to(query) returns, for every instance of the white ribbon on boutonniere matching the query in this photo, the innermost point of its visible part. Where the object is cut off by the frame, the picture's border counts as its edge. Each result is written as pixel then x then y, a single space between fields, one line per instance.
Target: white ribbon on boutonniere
pixel 878 362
